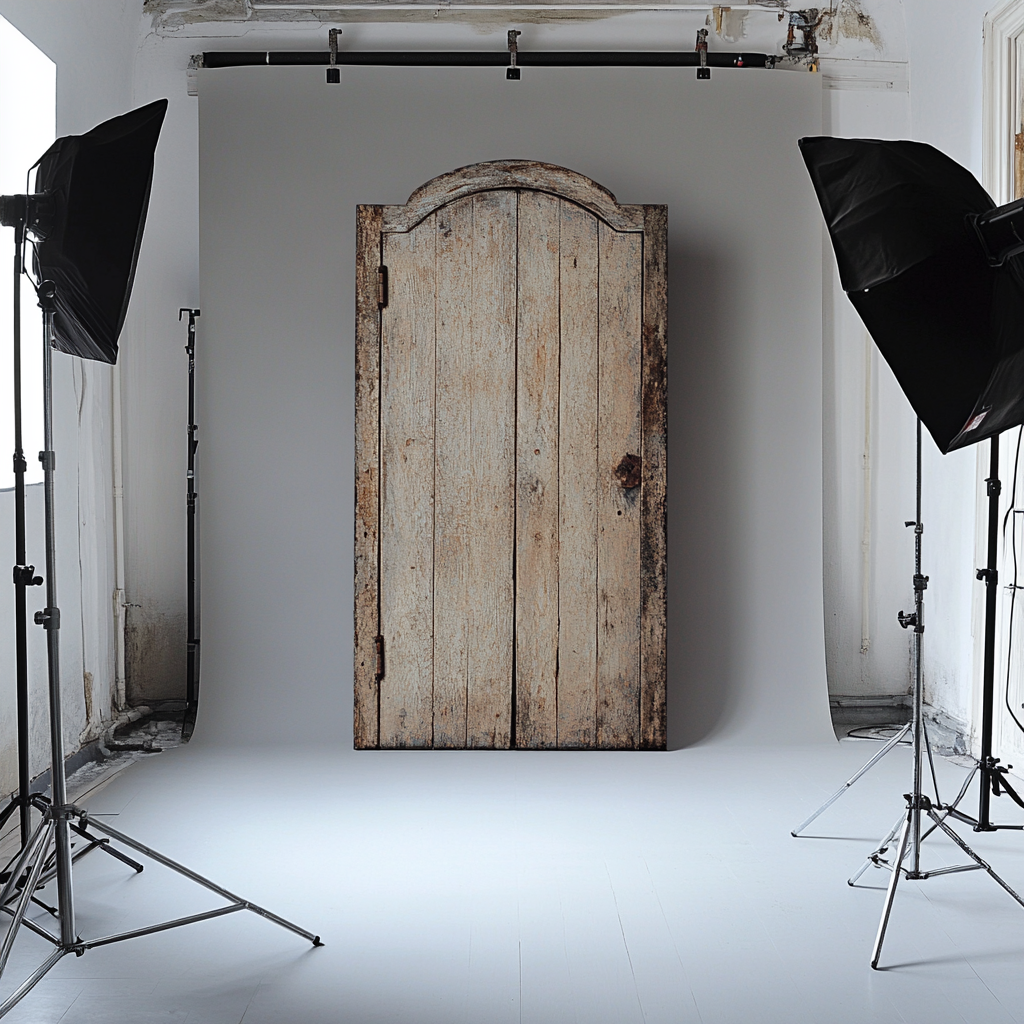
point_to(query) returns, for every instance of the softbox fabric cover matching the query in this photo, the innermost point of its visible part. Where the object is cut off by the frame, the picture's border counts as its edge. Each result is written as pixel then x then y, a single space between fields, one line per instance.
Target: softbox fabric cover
pixel 99 184
pixel 950 326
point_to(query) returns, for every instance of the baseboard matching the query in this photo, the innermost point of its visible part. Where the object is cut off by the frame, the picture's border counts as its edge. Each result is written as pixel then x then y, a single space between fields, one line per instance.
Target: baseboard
pixel 948 735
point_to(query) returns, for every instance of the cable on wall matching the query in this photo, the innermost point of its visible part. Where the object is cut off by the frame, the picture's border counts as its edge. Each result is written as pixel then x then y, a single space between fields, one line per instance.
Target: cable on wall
pixel 1011 518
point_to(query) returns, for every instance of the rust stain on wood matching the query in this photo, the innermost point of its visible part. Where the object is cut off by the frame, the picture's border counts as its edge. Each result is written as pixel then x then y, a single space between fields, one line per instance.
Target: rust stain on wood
pixel 628 471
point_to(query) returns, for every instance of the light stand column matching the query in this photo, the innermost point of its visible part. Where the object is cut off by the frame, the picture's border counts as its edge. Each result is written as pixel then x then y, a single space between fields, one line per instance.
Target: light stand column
pixel 49 619
pixel 24 575
pixel 21 577
pixel 191 499
pixel 920 584
pixel 991 773
pixel 910 835
pixel 990 574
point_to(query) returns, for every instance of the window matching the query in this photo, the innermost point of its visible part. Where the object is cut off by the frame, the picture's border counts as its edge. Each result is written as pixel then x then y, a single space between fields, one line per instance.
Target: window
pixel 28 113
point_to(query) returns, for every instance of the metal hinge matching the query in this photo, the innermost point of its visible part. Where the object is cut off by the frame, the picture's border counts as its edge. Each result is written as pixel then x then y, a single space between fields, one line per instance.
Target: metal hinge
pixel 379 674
pixel 382 287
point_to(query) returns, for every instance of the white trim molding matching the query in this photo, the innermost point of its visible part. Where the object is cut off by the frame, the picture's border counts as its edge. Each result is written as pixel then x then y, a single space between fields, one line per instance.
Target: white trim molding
pixel 1001 108
pixel 1004 26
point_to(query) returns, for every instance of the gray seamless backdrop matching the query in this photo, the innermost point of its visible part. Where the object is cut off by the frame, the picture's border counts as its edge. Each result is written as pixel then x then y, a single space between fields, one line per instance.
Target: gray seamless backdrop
pixel 285 159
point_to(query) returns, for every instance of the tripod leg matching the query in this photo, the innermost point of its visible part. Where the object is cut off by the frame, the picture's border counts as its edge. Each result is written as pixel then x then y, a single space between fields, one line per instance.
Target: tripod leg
pixel 24 859
pixel 200 880
pixel 30 982
pixel 876 853
pixel 846 785
pixel 13 805
pixel 891 892
pixel 931 760
pixel 23 901
pixel 940 822
pixel 104 845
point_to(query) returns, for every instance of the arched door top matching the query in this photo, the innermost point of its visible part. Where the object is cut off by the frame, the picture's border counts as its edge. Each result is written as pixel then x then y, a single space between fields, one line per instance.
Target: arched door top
pixel 495 175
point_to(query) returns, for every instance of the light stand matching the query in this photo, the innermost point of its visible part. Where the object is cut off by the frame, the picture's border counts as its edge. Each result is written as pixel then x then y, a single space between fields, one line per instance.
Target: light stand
pixel 59 817
pixel 918 803
pixel 86 219
pixel 24 575
pixel 936 271
pixel 188 723
pixel 991 774
pixel 15 213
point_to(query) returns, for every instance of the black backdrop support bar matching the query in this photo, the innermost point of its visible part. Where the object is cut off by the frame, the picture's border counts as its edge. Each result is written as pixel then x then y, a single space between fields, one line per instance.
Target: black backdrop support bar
pixel 487 58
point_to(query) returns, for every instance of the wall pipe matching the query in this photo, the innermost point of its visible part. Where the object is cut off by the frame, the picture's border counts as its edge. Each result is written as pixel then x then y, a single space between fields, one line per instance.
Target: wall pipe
pixel 865 536
pixel 120 698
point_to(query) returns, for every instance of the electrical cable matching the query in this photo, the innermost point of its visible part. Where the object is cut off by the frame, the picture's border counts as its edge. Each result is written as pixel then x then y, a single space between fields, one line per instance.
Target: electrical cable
pixel 858 733
pixel 1011 513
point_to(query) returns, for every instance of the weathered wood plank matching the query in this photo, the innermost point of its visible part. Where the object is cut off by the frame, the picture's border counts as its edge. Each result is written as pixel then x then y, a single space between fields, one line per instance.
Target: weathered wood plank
pixel 453 556
pixel 537 472
pixel 512 174
pixel 618 538
pixel 407 520
pixel 578 480
pixel 368 221
pixel 654 527
pixel 492 533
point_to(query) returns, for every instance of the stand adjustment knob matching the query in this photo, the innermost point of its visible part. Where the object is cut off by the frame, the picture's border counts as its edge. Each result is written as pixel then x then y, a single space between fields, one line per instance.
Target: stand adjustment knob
pixel 25 576
pixel 48 618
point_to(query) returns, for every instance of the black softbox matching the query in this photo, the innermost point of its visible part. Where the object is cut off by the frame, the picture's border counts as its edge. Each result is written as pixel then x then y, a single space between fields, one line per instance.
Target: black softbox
pixel 950 324
pixel 99 186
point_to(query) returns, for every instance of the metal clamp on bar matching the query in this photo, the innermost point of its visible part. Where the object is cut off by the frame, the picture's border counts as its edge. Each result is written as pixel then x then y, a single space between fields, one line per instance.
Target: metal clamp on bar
pixel 512 72
pixel 703 72
pixel 334 72
pixel 25 576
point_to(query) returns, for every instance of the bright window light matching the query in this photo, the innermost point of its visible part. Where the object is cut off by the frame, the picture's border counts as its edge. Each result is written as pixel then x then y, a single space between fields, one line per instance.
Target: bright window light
pixel 28 116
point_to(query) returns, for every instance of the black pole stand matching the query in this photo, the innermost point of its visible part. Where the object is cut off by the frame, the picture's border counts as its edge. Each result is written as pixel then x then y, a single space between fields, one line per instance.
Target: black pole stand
pixel 35 866
pixel 188 723
pixel 991 773
pixel 24 575
pixel 918 803
pixel 905 621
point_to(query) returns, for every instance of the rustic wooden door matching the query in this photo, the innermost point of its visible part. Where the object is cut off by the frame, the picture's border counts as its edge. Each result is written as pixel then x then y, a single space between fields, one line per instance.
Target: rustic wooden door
pixel 510 465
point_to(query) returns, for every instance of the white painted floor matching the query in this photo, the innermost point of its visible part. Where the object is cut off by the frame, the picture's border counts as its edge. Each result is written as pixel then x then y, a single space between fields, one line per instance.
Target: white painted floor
pixel 534 887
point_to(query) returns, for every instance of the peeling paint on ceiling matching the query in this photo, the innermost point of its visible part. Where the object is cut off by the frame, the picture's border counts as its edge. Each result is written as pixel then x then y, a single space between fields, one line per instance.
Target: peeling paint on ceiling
pixel 849 20
pixel 730 23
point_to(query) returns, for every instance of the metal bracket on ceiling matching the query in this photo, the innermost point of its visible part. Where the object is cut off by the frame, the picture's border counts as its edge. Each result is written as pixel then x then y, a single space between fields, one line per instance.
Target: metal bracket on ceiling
pixel 512 72
pixel 195 62
pixel 703 72
pixel 334 72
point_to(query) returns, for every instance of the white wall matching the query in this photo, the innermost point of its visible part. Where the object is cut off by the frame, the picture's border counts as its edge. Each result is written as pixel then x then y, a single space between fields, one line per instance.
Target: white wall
pixel 111 57
pixel 942 53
